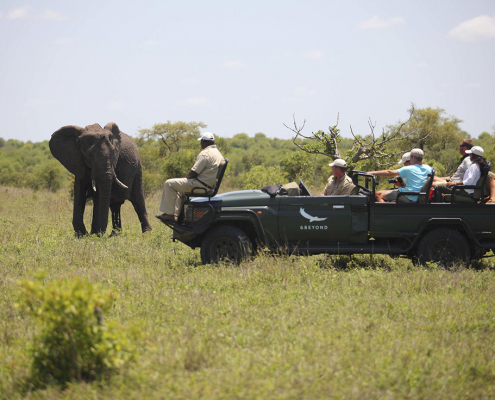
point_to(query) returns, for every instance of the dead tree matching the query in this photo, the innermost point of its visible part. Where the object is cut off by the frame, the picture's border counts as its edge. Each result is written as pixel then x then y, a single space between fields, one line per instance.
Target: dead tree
pixel 363 148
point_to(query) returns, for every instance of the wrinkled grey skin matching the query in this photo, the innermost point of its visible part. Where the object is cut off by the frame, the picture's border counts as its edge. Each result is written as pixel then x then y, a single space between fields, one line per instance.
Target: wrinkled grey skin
pixel 107 167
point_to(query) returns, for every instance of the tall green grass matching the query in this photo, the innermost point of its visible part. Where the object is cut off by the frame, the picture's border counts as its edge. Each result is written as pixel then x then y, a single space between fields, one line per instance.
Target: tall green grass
pixel 274 327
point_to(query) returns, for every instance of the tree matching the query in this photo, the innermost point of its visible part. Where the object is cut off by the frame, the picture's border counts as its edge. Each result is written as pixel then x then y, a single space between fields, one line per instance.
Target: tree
pixel 380 150
pixel 438 135
pixel 173 136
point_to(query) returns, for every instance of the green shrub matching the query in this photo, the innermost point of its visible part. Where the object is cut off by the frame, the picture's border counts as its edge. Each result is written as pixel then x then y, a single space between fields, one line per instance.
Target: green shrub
pixel 260 176
pixel 74 343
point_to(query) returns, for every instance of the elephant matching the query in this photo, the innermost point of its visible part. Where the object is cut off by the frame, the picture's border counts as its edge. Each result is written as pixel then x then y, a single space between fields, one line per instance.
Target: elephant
pixel 107 167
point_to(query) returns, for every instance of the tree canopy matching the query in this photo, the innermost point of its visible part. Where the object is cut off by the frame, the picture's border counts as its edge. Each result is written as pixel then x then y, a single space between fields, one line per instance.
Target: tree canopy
pixel 169 149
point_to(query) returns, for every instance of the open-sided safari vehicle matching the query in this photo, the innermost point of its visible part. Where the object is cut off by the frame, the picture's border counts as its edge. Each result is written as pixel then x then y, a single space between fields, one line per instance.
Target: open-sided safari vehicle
pixel 234 225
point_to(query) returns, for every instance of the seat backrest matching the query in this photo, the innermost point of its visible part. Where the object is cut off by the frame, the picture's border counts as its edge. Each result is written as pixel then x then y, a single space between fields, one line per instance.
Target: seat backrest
pixel 204 192
pixel 425 190
pixel 479 192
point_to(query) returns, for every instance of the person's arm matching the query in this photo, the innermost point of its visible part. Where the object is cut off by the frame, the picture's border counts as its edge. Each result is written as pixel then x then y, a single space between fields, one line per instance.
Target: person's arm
pixel 385 172
pixel 198 166
pixel 192 174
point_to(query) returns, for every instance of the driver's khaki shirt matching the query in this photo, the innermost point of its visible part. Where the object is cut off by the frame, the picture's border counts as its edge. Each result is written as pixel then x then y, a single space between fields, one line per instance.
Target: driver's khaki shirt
pixel 341 187
pixel 206 165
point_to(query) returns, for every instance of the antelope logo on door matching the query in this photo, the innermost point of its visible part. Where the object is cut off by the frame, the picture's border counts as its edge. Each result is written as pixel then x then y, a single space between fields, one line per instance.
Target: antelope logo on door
pixel 310 217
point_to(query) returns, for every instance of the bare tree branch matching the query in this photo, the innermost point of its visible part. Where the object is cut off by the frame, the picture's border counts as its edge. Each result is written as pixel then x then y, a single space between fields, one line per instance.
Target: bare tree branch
pixel 363 148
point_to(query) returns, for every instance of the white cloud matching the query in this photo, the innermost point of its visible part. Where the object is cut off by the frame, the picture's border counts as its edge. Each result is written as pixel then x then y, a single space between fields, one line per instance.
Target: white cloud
pixel 20 13
pixel 291 100
pixel 305 91
pixel 314 55
pixel 32 103
pixel 115 106
pixel 196 101
pixel 27 12
pixel 475 29
pixel 233 64
pixel 63 41
pixel 54 16
pixel 378 23
pixel 474 85
pixel 1 14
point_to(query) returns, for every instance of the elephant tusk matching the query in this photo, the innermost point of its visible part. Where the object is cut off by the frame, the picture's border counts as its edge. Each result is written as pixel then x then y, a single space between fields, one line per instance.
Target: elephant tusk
pixel 120 183
pixel 94 185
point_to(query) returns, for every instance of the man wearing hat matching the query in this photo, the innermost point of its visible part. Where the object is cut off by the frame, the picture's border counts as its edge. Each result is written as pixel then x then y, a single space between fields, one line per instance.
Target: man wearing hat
pixel 414 175
pixel 390 195
pixel 466 144
pixel 339 184
pixel 203 174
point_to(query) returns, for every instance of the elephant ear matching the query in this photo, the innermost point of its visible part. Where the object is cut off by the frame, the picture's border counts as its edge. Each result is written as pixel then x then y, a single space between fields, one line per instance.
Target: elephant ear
pixel 64 146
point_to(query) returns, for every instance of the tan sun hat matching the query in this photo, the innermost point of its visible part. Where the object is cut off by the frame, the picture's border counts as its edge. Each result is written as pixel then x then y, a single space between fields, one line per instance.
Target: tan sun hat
pixel 338 163
pixel 405 157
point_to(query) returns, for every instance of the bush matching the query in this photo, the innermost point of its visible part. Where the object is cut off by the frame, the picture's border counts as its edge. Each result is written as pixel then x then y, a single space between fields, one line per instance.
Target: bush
pixel 74 343
pixel 260 176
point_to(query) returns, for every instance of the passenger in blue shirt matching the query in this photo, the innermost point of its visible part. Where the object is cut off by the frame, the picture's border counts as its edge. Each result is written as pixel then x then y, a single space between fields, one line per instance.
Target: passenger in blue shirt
pixel 414 176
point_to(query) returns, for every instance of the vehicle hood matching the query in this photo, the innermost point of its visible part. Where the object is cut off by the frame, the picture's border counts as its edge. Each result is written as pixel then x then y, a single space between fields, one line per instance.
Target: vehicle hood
pixel 234 197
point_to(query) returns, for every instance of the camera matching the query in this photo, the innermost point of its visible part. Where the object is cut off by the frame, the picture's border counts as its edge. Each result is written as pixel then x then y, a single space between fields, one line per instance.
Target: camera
pixel 397 179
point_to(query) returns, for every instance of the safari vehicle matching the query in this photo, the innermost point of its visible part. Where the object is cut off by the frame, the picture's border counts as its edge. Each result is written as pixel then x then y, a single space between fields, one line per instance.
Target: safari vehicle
pixel 232 226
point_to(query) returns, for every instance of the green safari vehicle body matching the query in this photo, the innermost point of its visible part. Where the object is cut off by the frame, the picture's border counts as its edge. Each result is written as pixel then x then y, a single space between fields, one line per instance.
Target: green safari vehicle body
pixel 234 225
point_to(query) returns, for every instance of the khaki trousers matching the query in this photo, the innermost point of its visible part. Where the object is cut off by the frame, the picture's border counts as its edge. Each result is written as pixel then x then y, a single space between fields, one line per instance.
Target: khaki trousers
pixel 173 194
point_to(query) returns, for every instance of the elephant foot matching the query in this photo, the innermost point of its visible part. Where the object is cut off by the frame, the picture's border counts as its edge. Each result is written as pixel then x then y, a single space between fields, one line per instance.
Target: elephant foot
pixel 79 235
pixel 115 233
pixel 146 228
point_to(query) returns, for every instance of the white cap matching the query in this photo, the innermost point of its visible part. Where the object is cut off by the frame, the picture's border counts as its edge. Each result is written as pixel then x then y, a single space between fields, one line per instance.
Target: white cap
pixel 477 150
pixel 405 157
pixel 338 163
pixel 417 153
pixel 207 136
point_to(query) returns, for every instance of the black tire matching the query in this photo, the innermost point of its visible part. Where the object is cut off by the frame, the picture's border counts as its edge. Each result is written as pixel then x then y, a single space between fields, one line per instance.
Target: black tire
pixel 226 243
pixel 447 247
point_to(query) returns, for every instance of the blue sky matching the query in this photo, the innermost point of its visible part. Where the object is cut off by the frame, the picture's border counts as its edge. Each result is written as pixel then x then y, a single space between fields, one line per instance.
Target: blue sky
pixel 243 66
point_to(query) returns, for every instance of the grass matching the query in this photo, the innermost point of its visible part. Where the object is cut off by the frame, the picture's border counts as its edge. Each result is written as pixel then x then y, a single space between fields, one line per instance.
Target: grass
pixel 274 327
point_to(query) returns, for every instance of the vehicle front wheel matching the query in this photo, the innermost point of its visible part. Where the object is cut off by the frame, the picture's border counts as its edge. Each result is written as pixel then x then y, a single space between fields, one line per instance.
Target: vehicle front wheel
pixel 446 247
pixel 226 243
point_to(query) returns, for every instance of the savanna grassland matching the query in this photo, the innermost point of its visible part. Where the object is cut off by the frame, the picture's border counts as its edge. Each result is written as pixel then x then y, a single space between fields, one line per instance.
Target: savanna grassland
pixel 272 328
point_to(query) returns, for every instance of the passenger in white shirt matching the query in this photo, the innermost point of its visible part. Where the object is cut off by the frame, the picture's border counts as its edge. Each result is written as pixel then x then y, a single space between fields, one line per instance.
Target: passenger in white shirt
pixel 470 177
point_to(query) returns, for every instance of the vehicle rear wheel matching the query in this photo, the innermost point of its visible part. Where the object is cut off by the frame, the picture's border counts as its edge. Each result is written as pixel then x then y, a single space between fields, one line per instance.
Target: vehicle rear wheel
pixel 226 243
pixel 446 247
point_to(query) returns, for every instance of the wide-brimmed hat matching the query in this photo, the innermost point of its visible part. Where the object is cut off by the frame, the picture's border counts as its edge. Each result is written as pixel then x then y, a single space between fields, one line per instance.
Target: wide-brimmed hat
pixel 477 150
pixel 338 163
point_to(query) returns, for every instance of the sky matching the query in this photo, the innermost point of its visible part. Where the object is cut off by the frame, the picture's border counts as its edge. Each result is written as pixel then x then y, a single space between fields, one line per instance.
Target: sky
pixel 243 66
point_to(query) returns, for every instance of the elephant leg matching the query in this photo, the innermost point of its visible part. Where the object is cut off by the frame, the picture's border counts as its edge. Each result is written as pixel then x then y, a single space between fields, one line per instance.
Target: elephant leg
pixel 79 206
pixel 116 221
pixel 138 202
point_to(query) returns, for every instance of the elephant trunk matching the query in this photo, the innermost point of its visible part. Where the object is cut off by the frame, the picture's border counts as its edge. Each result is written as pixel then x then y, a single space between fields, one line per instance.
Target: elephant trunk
pixel 102 179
